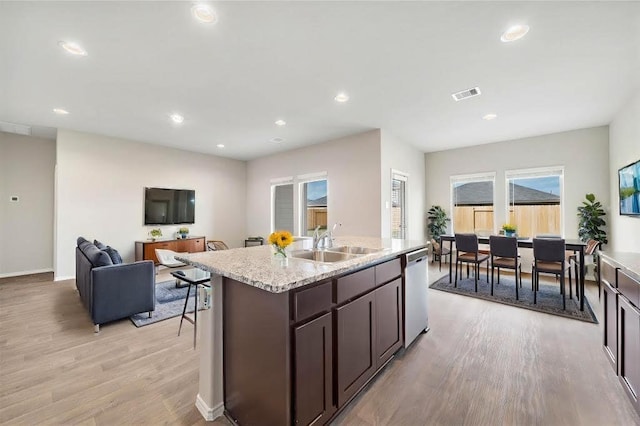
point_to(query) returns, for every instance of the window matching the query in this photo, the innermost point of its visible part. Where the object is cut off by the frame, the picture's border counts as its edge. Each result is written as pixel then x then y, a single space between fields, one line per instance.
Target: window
pixel 282 205
pixel 313 197
pixel 472 203
pixel 398 205
pixel 534 201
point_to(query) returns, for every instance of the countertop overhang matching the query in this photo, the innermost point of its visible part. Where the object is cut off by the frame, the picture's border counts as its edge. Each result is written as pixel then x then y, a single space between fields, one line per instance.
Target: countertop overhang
pixel 255 266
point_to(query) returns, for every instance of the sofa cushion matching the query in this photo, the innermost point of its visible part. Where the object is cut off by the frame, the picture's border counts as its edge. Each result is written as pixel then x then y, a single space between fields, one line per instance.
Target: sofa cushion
pixel 113 254
pixel 99 245
pixel 96 256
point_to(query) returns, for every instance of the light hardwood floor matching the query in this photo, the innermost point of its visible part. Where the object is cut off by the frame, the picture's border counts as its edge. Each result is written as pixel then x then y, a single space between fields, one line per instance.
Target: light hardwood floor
pixel 481 363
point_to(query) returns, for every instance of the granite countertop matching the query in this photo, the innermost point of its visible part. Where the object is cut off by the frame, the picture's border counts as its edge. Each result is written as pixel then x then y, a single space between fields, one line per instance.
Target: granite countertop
pixel 630 261
pixel 255 265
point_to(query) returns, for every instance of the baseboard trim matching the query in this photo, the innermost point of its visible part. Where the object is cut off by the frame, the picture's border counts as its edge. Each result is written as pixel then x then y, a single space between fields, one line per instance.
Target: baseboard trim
pixel 70 277
pixel 21 273
pixel 209 414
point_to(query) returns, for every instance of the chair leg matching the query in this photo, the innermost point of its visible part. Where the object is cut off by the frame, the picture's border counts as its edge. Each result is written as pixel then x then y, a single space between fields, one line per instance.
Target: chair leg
pixel 475 274
pixel 492 268
pixel 455 281
pixel 150 314
pixel 516 272
pixel 186 300
pixel 96 328
pixel 498 275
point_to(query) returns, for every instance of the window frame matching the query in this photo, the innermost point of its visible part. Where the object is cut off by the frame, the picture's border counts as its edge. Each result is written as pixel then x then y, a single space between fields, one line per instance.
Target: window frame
pixel 403 176
pixel 531 173
pixel 288 180
pixel 302 202
pixel 467 178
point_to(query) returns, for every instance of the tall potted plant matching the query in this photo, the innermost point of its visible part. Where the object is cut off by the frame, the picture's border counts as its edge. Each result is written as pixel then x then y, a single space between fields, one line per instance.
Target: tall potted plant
pixel 437 222
pixel 590 215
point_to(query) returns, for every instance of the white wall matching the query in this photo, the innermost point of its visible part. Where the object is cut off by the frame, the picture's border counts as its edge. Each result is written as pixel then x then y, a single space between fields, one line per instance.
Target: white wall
pixel 100 193
pixel 26 227
pixel 583 153
pixel 405 158
pixel 353 171
pixel 624 148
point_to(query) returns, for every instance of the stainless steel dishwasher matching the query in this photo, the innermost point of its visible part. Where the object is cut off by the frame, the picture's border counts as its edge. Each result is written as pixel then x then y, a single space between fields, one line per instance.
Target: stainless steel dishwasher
pixel 415 286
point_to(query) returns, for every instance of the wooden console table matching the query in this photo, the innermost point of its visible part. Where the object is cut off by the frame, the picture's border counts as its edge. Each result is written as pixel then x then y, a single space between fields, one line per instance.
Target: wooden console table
pixel 146 250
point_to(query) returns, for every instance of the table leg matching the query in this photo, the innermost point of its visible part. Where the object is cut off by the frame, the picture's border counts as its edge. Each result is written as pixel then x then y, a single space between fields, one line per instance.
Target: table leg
pixel 450 258
pixel 582 279
pixel 195 317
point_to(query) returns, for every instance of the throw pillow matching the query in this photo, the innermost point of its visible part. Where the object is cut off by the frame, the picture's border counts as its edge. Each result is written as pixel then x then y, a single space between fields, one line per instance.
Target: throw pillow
pixel 96 256
pixel 114 255
pixel 99 245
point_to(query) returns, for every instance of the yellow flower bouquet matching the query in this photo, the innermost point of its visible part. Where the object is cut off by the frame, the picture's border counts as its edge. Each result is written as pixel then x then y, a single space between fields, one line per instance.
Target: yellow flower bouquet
pixel 280 240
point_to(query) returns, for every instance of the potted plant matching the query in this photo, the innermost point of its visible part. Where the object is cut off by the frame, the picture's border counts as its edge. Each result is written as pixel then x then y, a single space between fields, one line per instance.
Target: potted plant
pixel 184 231
pixel 590 220
pixel 155 234
pixel 437 222
pixel 509 230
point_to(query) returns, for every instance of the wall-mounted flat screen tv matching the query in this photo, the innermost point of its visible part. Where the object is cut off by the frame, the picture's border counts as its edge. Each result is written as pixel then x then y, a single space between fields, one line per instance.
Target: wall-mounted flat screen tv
pixel 164 206
pixel 629 179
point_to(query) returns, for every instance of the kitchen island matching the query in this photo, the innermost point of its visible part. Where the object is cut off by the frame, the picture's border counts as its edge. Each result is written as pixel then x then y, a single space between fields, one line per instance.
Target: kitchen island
pixel 298 341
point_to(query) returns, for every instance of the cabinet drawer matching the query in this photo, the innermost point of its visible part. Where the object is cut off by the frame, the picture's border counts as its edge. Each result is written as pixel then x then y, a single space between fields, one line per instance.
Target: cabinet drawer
pixel 307 303
pixel 629 288
pixel 354 284
pixel 388 271
pixel 608 272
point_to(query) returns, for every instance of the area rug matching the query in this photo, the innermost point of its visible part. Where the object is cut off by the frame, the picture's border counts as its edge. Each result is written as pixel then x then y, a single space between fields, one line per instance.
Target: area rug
pixel 549 297
pixel 169 304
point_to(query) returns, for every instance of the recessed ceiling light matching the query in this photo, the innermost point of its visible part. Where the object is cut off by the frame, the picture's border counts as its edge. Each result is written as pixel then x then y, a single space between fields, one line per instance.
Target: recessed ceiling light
pixel 490 117
pixel 514 33
pixel 220 145
pixel 72 48
pixel 341 97
pixel 281 123
pixel 176 118
pixel 60 111
pixel 276 140
pixel 204 13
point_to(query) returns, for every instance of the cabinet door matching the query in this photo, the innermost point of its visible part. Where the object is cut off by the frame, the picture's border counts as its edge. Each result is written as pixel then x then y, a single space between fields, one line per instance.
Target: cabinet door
pixel 629 349
pixel 388 321
pixel 356 337
pixel 313 370
pixel 610 342
pixel 183 246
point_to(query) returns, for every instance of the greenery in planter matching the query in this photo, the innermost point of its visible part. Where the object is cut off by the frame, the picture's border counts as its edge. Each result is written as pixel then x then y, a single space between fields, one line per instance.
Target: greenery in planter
pixel 507 227
pixel 183 230
pixel 590 215
pixel 155 233
pixel 437 222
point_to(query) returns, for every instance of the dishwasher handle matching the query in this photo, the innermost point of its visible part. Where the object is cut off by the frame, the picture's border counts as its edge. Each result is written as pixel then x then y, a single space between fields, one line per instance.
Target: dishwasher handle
pixel 417 256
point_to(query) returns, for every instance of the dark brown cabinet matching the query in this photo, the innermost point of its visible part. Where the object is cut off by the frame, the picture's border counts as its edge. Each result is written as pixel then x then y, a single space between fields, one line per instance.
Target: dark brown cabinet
pixel 621 286
pixel 356 345
pixel 313 371
pixel 629 349
pixel 299 357
pixel 388 328
pixel 610 303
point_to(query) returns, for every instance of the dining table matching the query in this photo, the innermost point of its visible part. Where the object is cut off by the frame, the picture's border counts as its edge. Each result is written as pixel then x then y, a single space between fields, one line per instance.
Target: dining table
pixel 575 245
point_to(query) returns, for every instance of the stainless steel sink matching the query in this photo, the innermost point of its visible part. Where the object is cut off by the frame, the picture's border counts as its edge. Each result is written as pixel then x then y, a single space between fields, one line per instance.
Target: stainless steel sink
pixel 354 250
pixel 325 256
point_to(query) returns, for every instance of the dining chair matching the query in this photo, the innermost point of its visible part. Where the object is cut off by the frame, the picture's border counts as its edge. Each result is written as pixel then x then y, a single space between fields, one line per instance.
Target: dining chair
pixel 589 250
pixel 467 252
pixel 438 252
pixel 504 254
pixel 213 245
pixel 549 258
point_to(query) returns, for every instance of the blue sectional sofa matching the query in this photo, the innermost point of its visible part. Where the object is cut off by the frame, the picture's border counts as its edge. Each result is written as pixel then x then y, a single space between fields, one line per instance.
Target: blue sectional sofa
pixel 110 289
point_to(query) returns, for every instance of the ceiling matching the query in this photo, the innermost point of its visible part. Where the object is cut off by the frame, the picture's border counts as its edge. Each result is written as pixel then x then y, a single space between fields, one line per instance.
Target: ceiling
pixel 263 61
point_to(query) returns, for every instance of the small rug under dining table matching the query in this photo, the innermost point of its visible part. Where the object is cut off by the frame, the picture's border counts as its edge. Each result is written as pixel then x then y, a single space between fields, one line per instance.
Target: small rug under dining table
pixel 549 297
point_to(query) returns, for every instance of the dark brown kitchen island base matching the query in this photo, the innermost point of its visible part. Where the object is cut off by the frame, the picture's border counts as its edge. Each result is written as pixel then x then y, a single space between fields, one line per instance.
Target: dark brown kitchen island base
pixel 301 356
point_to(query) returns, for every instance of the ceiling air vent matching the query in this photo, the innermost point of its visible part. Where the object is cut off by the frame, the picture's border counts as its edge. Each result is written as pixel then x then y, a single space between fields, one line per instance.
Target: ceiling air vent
pixel 468 93
pixel 19 129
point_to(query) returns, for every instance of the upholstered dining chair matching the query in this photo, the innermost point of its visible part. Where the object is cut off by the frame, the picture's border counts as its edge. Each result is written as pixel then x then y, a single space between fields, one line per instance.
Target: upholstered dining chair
pixel 167 258
pixel 574 259
pixel 549 258
pixel 438 251
pixel 504 254
pixel 467 252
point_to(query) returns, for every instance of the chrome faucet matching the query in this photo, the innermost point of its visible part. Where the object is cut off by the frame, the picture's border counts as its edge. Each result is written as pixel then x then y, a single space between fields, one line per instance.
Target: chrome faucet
pixel 326 236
